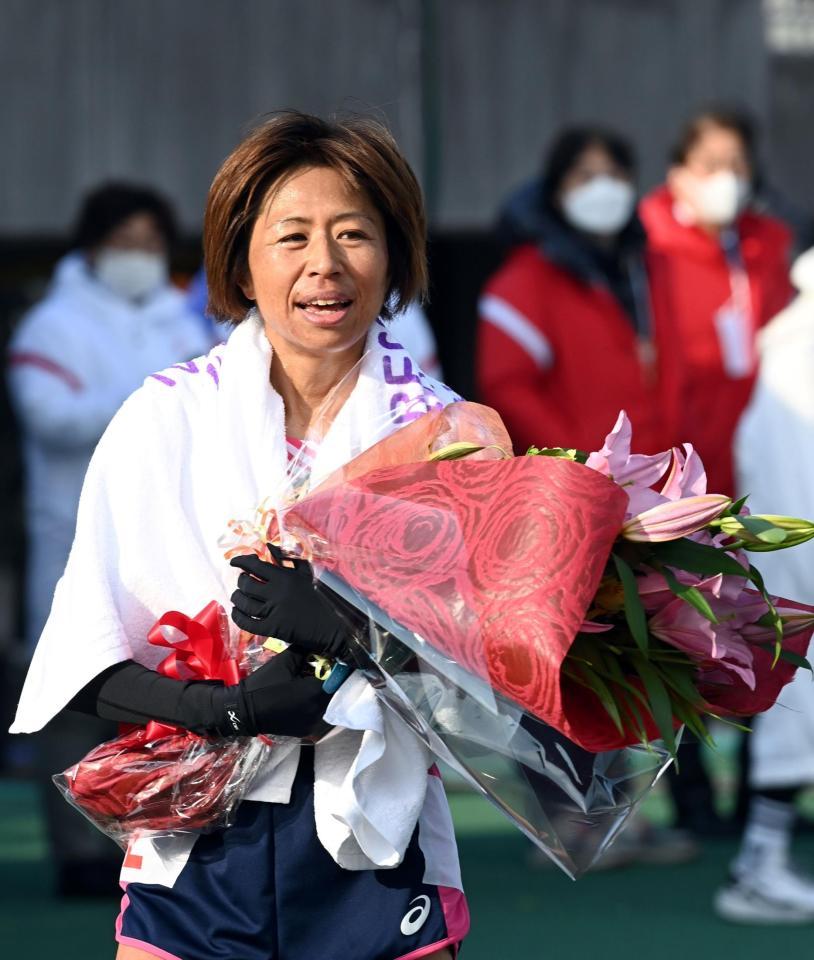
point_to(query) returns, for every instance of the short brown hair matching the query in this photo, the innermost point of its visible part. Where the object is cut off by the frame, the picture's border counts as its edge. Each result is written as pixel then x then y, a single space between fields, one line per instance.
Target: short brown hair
pixel 724 117
pixel 362 150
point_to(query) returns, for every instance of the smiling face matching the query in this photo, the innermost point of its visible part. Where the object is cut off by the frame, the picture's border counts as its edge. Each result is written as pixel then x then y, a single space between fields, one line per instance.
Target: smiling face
pixel 318 265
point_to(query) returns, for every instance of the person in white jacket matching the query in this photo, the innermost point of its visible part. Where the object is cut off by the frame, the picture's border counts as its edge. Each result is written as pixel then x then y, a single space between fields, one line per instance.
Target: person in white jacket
pixel 775 467
pixel 109 318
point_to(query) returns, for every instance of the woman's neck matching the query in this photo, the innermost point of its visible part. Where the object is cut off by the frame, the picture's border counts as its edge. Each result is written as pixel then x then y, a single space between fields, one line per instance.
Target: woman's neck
pixel 306 382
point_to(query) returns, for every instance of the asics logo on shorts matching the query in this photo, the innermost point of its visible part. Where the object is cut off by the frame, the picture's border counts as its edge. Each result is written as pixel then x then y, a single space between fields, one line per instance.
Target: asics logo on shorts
pixel 416 916
pixel 234 719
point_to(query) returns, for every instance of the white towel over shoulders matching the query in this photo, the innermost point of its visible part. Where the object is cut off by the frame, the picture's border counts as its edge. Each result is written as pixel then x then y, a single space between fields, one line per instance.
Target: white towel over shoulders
pixel 199 444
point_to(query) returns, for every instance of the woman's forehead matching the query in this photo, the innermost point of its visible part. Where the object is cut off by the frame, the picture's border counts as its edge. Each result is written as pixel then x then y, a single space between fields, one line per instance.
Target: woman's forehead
pixel 719 140
pixel 315 191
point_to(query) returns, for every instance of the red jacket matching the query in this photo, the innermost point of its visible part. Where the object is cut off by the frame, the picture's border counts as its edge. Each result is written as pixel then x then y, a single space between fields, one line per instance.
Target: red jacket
pixel 558 358
pixel 719 361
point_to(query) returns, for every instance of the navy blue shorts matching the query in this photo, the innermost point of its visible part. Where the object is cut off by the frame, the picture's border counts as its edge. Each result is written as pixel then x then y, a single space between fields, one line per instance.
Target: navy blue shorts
pixel 266 889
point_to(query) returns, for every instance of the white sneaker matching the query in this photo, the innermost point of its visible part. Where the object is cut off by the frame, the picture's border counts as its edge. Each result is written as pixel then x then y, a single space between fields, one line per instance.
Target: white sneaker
pixel 772 892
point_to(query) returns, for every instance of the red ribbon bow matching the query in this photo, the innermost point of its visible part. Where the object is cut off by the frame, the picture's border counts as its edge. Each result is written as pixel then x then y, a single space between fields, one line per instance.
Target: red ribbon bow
pixel 199 652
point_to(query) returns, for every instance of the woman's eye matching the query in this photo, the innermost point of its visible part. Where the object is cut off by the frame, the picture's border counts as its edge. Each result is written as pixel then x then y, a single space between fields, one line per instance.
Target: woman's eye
pixel 353 235
pixel 293 238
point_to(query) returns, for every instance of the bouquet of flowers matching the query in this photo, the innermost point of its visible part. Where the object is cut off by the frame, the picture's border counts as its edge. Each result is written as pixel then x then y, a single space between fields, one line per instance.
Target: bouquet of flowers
pixel 541 620
pixel 545 623
pixel 682 626
pixel 610 610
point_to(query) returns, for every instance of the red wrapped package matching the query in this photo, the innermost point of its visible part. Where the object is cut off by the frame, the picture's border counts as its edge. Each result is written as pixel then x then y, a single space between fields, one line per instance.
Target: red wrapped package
pixel 158 778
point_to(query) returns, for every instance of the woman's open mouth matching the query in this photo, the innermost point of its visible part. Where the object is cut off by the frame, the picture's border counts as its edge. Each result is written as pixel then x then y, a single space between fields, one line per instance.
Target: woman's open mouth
pixel 325 312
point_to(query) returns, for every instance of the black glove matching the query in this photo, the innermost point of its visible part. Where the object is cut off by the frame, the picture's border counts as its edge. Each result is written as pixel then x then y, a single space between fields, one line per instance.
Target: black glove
pixel 283 602
pixel 278 698
pixel 282 697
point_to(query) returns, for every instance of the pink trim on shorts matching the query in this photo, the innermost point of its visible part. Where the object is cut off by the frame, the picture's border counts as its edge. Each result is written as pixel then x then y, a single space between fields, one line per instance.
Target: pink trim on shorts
pixel 450 942
pixel 456 915
pixel 456 911
pixel 131 941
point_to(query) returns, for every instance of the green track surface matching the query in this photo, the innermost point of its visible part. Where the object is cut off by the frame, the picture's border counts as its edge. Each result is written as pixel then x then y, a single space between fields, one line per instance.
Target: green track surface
pixel 518 910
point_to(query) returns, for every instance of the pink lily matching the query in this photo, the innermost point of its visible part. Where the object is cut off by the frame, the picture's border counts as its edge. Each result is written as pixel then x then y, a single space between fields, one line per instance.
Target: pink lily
pixel 654 592
pixel 687 476
pixel 675 518
pixel 712 645
pixel 635 473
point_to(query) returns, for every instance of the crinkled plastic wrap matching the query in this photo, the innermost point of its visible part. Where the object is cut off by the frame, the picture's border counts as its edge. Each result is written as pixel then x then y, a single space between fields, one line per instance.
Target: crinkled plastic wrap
pixel 570 802
pixel 136 785
pixel 159 780
pixel 467 581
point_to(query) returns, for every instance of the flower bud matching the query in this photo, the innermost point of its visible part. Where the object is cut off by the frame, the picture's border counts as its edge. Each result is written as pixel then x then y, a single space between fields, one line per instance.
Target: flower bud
pixel 675 519
pixel 765 532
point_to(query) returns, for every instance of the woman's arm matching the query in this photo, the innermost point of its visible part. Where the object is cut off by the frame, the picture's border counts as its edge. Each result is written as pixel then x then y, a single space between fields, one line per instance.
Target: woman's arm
pixel 278 698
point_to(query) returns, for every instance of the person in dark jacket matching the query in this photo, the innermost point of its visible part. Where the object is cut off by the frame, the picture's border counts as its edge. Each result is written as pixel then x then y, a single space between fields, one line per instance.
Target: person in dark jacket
pixel 572 326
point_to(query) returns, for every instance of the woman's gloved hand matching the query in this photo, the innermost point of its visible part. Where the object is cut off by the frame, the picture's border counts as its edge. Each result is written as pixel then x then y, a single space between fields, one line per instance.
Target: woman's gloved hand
pixel 276 601
pixel 281 697
pixel 278 698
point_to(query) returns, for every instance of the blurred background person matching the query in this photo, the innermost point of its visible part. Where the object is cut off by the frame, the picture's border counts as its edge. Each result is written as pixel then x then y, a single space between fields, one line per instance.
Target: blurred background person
pixel 198 303
pixel 109 318
pixel 571 326
pixel 774 455
pixel 728 275
pixel 727 269
pixel 412 330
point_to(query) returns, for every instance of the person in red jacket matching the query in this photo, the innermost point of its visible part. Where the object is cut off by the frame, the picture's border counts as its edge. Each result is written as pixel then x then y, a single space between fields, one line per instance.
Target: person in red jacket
pixel 727 272
pixel 570 326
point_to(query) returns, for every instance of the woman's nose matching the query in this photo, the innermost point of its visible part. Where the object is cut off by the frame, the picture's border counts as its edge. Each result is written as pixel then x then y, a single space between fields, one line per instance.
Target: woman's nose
pixel 325 258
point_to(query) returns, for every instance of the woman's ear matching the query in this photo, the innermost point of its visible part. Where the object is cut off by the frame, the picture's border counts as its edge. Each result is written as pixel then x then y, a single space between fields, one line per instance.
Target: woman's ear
pixel 247 286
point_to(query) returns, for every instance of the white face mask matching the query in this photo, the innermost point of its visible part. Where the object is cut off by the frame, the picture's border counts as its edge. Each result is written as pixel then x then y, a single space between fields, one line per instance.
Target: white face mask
pixel 132 274
pixel 719 198
pixel 603 205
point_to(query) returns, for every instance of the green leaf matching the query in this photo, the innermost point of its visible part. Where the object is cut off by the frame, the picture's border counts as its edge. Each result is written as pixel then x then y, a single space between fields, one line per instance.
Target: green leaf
pixel 659 697
pixel 578 456
pixel 776 620
pixel 737 506
pixel 559 452
pixel 612 670
pixel 680 678
pixel 634 611
pixel 730 723
pixel 691 718
pixel 599 687
pixel 788 655
pixel 697 557
pixel 692 595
